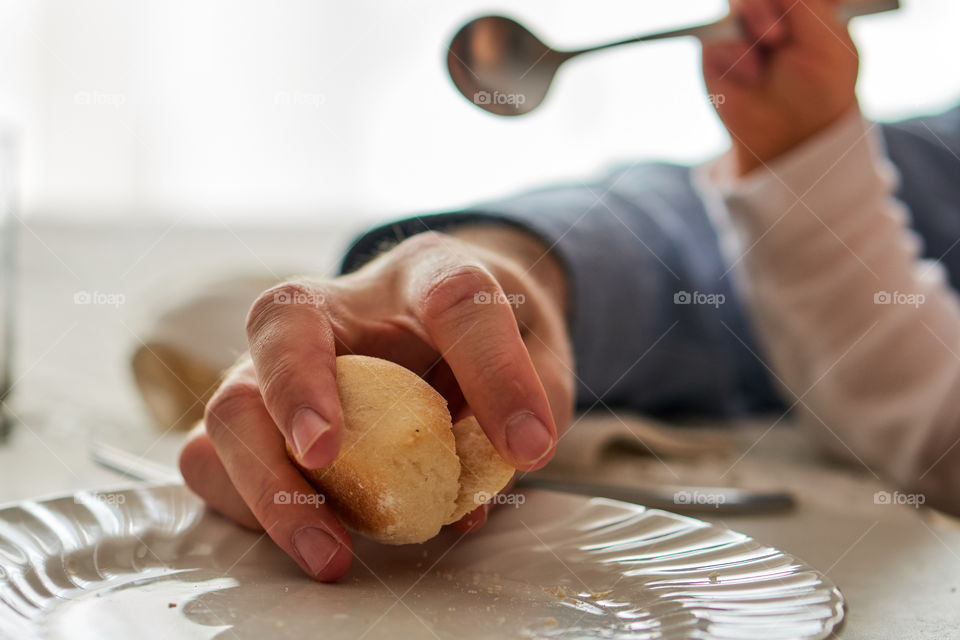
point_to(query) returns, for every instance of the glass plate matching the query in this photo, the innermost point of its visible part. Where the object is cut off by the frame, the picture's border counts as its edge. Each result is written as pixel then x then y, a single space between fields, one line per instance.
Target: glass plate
pixel 152 563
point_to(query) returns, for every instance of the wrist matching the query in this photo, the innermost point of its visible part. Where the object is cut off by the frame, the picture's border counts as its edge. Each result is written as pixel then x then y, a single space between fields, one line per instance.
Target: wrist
pixel 829 174
pixel 797 131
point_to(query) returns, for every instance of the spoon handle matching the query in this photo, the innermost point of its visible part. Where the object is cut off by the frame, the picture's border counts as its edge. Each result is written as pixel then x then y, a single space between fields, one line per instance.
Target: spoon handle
pixel 729 28
pixel 853 8
pixel 714 500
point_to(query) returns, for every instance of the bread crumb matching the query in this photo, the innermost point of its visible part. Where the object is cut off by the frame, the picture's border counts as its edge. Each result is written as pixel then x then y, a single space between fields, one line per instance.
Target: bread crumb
pixel 551 622
pixel 715 577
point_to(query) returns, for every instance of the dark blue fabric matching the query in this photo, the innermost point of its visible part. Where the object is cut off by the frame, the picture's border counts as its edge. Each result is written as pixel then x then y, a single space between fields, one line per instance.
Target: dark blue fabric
pixel 926 152
pixel 638 238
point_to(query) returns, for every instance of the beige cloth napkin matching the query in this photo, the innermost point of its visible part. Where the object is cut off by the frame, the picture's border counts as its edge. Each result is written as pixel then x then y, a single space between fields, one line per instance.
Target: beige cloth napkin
pixel 187 345
pixel 586 446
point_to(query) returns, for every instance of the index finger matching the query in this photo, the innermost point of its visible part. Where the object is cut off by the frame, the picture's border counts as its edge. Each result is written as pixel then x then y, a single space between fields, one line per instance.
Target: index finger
pixel 293 352
pixel 290 510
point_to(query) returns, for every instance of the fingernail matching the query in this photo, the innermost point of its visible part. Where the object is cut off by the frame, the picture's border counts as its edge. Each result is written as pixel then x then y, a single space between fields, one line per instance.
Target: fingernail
pixel 308 426
pixel 528 438
pixel 316 547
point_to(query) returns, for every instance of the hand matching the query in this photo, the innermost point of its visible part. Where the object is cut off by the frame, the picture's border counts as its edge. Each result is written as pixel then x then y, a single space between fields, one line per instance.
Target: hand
pixel 483 325
pixel 794 75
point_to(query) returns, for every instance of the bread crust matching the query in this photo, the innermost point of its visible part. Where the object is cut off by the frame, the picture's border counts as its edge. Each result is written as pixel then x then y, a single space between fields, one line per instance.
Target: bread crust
pixel 398 477
pixel 483 473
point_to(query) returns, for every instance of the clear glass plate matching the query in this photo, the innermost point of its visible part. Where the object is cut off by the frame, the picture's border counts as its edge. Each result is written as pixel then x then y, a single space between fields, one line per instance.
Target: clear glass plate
pixel 152 563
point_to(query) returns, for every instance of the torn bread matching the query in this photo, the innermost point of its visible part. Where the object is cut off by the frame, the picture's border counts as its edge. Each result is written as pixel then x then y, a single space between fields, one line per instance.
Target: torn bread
pixel 403 471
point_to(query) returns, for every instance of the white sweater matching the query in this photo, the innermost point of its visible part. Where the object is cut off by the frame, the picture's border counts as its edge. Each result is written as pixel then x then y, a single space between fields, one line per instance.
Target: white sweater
pixel 862 335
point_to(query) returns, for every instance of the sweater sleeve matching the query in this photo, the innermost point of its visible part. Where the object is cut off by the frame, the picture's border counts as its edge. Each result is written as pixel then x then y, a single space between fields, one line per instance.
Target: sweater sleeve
pixel 862 335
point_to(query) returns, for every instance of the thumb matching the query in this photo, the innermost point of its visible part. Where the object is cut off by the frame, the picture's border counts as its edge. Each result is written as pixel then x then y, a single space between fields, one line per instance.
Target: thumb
pixel 731 63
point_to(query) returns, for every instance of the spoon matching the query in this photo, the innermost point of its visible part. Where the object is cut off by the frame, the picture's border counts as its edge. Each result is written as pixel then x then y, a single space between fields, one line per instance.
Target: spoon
pixel 714 500
pixel 500 66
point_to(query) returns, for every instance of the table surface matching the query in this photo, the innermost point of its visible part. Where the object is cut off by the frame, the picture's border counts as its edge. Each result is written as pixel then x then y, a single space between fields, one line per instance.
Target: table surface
pixel 897 566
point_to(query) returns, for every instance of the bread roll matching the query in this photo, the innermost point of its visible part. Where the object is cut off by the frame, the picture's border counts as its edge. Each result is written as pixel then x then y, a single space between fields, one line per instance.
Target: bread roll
pixel 482 471
pixel 403 471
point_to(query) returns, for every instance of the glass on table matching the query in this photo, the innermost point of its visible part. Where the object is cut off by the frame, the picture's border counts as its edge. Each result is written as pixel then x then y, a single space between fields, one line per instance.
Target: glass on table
pixel 8 273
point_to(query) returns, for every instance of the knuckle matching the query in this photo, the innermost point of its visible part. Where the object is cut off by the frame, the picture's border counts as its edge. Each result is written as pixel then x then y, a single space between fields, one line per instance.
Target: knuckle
pixel 458 289
pixel 497 365
pixel 425 241
pixel 279 381
pixel 273 302
pixel 263 498
pixel 229 403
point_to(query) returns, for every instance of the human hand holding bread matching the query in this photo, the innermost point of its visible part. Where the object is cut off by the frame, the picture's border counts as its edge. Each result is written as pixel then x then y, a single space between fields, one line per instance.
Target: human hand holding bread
pixel 792 76
pixel 478 315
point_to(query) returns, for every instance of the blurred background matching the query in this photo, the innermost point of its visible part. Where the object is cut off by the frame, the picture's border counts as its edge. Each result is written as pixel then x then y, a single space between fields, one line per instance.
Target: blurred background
pixel 242 111
pixel 163 145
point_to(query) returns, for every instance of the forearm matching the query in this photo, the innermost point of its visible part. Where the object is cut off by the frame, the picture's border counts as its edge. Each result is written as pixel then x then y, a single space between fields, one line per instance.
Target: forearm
pixel 863 336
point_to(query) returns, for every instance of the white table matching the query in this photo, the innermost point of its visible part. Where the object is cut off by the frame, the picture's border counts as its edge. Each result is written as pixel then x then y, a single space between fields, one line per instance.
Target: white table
pixel 898 567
